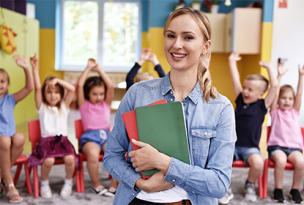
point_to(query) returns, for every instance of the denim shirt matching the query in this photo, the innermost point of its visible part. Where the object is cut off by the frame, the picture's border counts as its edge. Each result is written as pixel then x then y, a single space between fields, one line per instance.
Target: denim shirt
pixel 211 137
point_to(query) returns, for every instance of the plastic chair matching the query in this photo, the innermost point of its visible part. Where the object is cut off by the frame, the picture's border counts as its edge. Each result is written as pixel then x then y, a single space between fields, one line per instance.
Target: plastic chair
pixel 34 136
pixel 242 164
pixel 271 164
pixel 22 160
pixel 82 157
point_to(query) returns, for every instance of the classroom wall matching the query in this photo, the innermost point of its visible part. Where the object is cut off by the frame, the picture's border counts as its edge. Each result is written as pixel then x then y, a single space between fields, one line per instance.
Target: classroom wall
pixel 288 32
pixel 27 41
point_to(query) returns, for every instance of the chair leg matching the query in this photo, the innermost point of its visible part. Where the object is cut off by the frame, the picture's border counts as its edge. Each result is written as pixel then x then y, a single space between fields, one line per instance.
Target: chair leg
pixel 260 185
pixel 36 182
pixel 265 179
pixel 81 176
pixel 28 179
pixel 18 172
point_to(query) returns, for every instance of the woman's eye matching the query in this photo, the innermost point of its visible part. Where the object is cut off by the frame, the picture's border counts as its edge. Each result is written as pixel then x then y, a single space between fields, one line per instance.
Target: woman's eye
pixel 189 38
pixel 170 35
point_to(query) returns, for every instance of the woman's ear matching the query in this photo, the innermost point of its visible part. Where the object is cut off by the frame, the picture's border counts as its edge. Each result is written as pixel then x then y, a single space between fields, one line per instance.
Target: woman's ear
pixel 206 48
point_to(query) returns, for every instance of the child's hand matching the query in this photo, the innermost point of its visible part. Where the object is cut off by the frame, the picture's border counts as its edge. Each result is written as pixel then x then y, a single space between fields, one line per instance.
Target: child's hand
pixel 265 64
pixel 97 68
pixel 21 61
pixel 53 82
pixel 34 62
pixel 234 57
pixel 281 69
pixel 145 54
pixel 301 70
pixel 91 63
pixel 153 59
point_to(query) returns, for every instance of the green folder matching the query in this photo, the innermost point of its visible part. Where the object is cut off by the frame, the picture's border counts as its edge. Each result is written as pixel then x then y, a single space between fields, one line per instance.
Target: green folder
pixel 163 127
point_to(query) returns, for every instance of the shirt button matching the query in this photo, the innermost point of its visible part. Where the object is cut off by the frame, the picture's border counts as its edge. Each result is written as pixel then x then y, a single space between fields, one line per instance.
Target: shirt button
pixel 173 180
pixel 205 133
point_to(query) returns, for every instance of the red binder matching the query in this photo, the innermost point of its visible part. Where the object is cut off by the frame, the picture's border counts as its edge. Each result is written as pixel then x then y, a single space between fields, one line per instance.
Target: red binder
pixel 129 119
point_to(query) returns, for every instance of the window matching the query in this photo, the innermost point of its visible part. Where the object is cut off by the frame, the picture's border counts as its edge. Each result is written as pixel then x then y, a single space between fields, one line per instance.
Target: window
pixel 108 31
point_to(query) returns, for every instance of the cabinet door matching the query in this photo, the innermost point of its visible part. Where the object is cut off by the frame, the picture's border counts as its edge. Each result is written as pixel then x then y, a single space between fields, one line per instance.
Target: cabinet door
pixel 217 23
pixel 244 31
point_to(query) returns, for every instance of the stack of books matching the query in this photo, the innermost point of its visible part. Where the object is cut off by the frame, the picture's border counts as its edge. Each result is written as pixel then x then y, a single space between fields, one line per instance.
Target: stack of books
pixel 162 125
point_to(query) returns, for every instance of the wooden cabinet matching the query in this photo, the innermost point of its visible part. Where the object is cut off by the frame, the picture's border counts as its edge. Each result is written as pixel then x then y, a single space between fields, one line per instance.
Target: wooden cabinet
pixel 217 23
pixel 243 31
pixel 239 31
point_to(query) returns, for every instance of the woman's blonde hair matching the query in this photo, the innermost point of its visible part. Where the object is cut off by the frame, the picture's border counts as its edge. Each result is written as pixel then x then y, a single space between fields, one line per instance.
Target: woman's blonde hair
pixel 203 73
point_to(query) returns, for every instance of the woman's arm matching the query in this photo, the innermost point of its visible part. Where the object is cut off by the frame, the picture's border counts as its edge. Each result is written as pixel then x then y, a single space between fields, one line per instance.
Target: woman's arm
pixel 19 95
pixel 214 179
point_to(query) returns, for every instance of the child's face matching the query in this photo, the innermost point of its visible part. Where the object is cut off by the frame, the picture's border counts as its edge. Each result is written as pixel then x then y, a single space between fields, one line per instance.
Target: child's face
pixel 252 90
pixel 286 100
pixel 97 94
pixel 52 95
pixel 3 84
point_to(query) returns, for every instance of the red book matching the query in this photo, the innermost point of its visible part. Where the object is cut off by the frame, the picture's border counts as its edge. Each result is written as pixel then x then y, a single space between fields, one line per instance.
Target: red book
pixel 129 119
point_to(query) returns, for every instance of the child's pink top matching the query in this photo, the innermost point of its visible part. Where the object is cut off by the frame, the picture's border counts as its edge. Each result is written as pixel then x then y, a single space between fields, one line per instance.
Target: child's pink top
pixel 95 116
pixel 285 129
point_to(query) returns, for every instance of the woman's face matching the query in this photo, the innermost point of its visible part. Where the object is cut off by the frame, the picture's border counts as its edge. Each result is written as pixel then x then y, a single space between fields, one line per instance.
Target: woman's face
pixel 184 43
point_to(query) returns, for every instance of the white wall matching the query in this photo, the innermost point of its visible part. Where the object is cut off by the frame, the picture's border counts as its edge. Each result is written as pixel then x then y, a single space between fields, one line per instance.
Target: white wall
pixel 288 40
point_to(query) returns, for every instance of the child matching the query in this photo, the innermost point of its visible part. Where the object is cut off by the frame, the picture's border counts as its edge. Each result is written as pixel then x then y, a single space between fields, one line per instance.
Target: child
pixel 52 105
pixel 250 111
pixel 11 143
pixel 286 141
pixel 95 95
pixel 133 75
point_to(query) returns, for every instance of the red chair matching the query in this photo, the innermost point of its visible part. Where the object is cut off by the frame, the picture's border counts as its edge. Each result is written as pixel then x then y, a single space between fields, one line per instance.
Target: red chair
pixel 34 136
pixel 82 157
pixel 271 164
pixel 242 164
pixel 22 160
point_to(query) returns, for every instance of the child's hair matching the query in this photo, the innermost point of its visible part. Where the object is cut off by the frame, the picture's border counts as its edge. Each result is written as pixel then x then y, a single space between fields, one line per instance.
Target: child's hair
pixel 6 74
pixel 58 86
pixel 90 83
pixel 260 78
pixel 285 88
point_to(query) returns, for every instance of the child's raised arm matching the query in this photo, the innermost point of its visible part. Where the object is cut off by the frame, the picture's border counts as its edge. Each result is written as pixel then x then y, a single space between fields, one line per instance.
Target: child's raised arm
pixel 37 84
pixel 273 84
pixel 19 95
pixel 281 71
pixel 233 58
pixel 157 67
pixel 298 99
pixel 80 95
pixel 68 98
pixel 108 82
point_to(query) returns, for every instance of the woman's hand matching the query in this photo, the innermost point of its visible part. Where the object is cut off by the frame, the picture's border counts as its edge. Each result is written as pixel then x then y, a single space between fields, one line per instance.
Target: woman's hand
pixel 155 183
pixel 147 157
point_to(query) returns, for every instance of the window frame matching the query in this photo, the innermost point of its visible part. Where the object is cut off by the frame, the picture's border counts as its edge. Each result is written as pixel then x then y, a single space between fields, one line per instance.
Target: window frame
pixel 59 64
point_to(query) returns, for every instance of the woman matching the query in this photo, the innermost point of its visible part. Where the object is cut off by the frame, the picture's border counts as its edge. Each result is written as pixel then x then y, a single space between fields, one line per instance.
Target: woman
pixel 210 125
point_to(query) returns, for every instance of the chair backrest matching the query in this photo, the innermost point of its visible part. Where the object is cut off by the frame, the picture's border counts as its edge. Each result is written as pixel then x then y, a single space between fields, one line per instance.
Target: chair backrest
pixel 269 131
pixel 34 132
pixel 78 128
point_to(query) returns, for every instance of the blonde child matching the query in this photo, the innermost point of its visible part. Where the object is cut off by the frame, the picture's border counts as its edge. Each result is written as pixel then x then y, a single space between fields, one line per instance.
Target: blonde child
pixel 250 111
pixel 134 75
pixel 286 141
pixel 95 95
pixel 53 106
pixel 11 143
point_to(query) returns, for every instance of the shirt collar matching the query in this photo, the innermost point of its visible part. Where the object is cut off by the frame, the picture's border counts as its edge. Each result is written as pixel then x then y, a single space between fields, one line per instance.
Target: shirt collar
pixel 194 95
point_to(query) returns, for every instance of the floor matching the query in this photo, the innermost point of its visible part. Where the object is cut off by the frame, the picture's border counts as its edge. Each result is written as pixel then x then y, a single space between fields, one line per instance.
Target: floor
pixel 56 176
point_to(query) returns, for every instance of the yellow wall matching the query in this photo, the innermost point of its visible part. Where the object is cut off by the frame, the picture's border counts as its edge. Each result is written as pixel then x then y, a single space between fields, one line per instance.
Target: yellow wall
pixel 27 42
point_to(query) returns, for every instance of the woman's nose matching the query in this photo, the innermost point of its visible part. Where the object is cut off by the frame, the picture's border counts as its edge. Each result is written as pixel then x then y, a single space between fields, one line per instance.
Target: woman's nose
pixel 178 43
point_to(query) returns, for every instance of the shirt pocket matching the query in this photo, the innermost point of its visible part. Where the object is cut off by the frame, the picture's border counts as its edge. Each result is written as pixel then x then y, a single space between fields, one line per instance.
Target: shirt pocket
pixel 201 141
